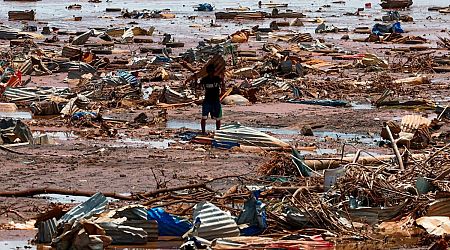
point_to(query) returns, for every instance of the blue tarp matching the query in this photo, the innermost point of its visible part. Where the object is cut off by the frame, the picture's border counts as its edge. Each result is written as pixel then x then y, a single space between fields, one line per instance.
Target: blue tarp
pixel 205 7
pixel 82 114
pixel 168 225
pixel 131 79
pixel 381 29
pixel 254 214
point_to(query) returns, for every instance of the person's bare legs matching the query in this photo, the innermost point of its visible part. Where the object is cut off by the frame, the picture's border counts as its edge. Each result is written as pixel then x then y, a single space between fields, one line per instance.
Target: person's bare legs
pixel 218 124
pixel 203 124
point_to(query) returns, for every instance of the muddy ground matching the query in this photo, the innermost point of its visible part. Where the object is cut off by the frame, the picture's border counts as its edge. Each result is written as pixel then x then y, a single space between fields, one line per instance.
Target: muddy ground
pixel 141 159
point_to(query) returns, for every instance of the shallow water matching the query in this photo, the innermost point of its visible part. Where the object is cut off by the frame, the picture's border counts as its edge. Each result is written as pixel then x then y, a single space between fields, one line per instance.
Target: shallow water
pixel 54 13
pixel 64 199
pixel 133 142
pixel 59 135
pixel 16 245
pixel 17 115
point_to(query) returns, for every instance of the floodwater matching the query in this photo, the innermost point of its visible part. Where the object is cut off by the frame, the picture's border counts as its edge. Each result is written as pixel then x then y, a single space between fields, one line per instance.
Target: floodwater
pixel 58 135
pixel 55 14
pixel 16 245
pixel 134 142
pixel 66 199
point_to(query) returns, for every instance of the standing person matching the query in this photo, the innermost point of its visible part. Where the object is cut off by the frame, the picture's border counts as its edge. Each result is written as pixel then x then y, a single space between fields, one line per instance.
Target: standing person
pixel 211 104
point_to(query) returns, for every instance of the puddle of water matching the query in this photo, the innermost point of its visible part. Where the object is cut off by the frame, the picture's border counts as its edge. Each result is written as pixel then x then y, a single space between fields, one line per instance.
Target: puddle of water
pixel 16 245
pixel 59 135
pixel 17 115
pixel 164 144
pixel 66 199
pixel 323 151
pixel 359 106
pixel 177 124
pixel 349 137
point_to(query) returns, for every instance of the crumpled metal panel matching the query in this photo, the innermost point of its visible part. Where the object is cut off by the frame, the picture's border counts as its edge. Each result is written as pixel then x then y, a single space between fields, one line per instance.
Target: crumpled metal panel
pixel 34 94
pixel 133 212
pixel 440 207
pixel 214 223
pixel 46 231
pixel 410 123
pixel 124 234
pixel 171 96
pixel 94 205
pixel 247 136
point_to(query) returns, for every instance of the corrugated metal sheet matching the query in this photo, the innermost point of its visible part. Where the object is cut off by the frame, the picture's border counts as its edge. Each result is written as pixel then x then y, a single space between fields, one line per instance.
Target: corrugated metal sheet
pixel 440 207
pixel 46 231
pixel 124 234
pixel 7 33
pixel 410 123
pixel 27 67
pixel 83 38
pixel 133 212
pixel 82 67
pixel 71 51
pixel 247 136
pixel 94 205
pixel 373 215
pixel 149 226
pixel 305 37
pixel 34 94
pixel 131 79
pixel 215 223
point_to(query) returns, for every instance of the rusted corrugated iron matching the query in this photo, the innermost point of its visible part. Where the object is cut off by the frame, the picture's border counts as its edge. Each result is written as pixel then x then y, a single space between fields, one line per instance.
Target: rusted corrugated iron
pixel 410 123
pixel 71 51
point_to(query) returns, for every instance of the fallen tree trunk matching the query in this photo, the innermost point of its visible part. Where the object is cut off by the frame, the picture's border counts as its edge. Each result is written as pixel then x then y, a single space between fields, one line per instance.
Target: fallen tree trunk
pixel 36 191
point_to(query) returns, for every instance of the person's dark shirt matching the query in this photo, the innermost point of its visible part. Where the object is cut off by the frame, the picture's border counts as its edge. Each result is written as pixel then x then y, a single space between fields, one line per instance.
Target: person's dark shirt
pixel 212 88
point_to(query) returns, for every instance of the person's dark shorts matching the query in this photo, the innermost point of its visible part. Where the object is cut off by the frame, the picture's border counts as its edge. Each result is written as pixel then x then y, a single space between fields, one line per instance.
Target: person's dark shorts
pixel 214 109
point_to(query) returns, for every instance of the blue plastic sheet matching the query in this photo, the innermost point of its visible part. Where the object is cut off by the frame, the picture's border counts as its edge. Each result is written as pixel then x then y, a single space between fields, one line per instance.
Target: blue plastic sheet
pixel 168 225
pixel 205 7
pixel 381 29
pixel 224 144
pixel 82 114
pixel 127 76
pixel 254 214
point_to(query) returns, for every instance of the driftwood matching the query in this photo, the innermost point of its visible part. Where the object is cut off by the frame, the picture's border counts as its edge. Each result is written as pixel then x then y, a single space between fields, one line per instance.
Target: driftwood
pixel 320 164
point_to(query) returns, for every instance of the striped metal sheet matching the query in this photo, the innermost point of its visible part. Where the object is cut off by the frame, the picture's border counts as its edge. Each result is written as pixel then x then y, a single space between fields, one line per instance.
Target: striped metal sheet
pixel 410 123
pixel 7 33
pixel 46 231
pixel 94 205
pixel 149 226
pixel 301 38
pixel 34 94
pixel 214 223
pixel 247 136
pixel 171 96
